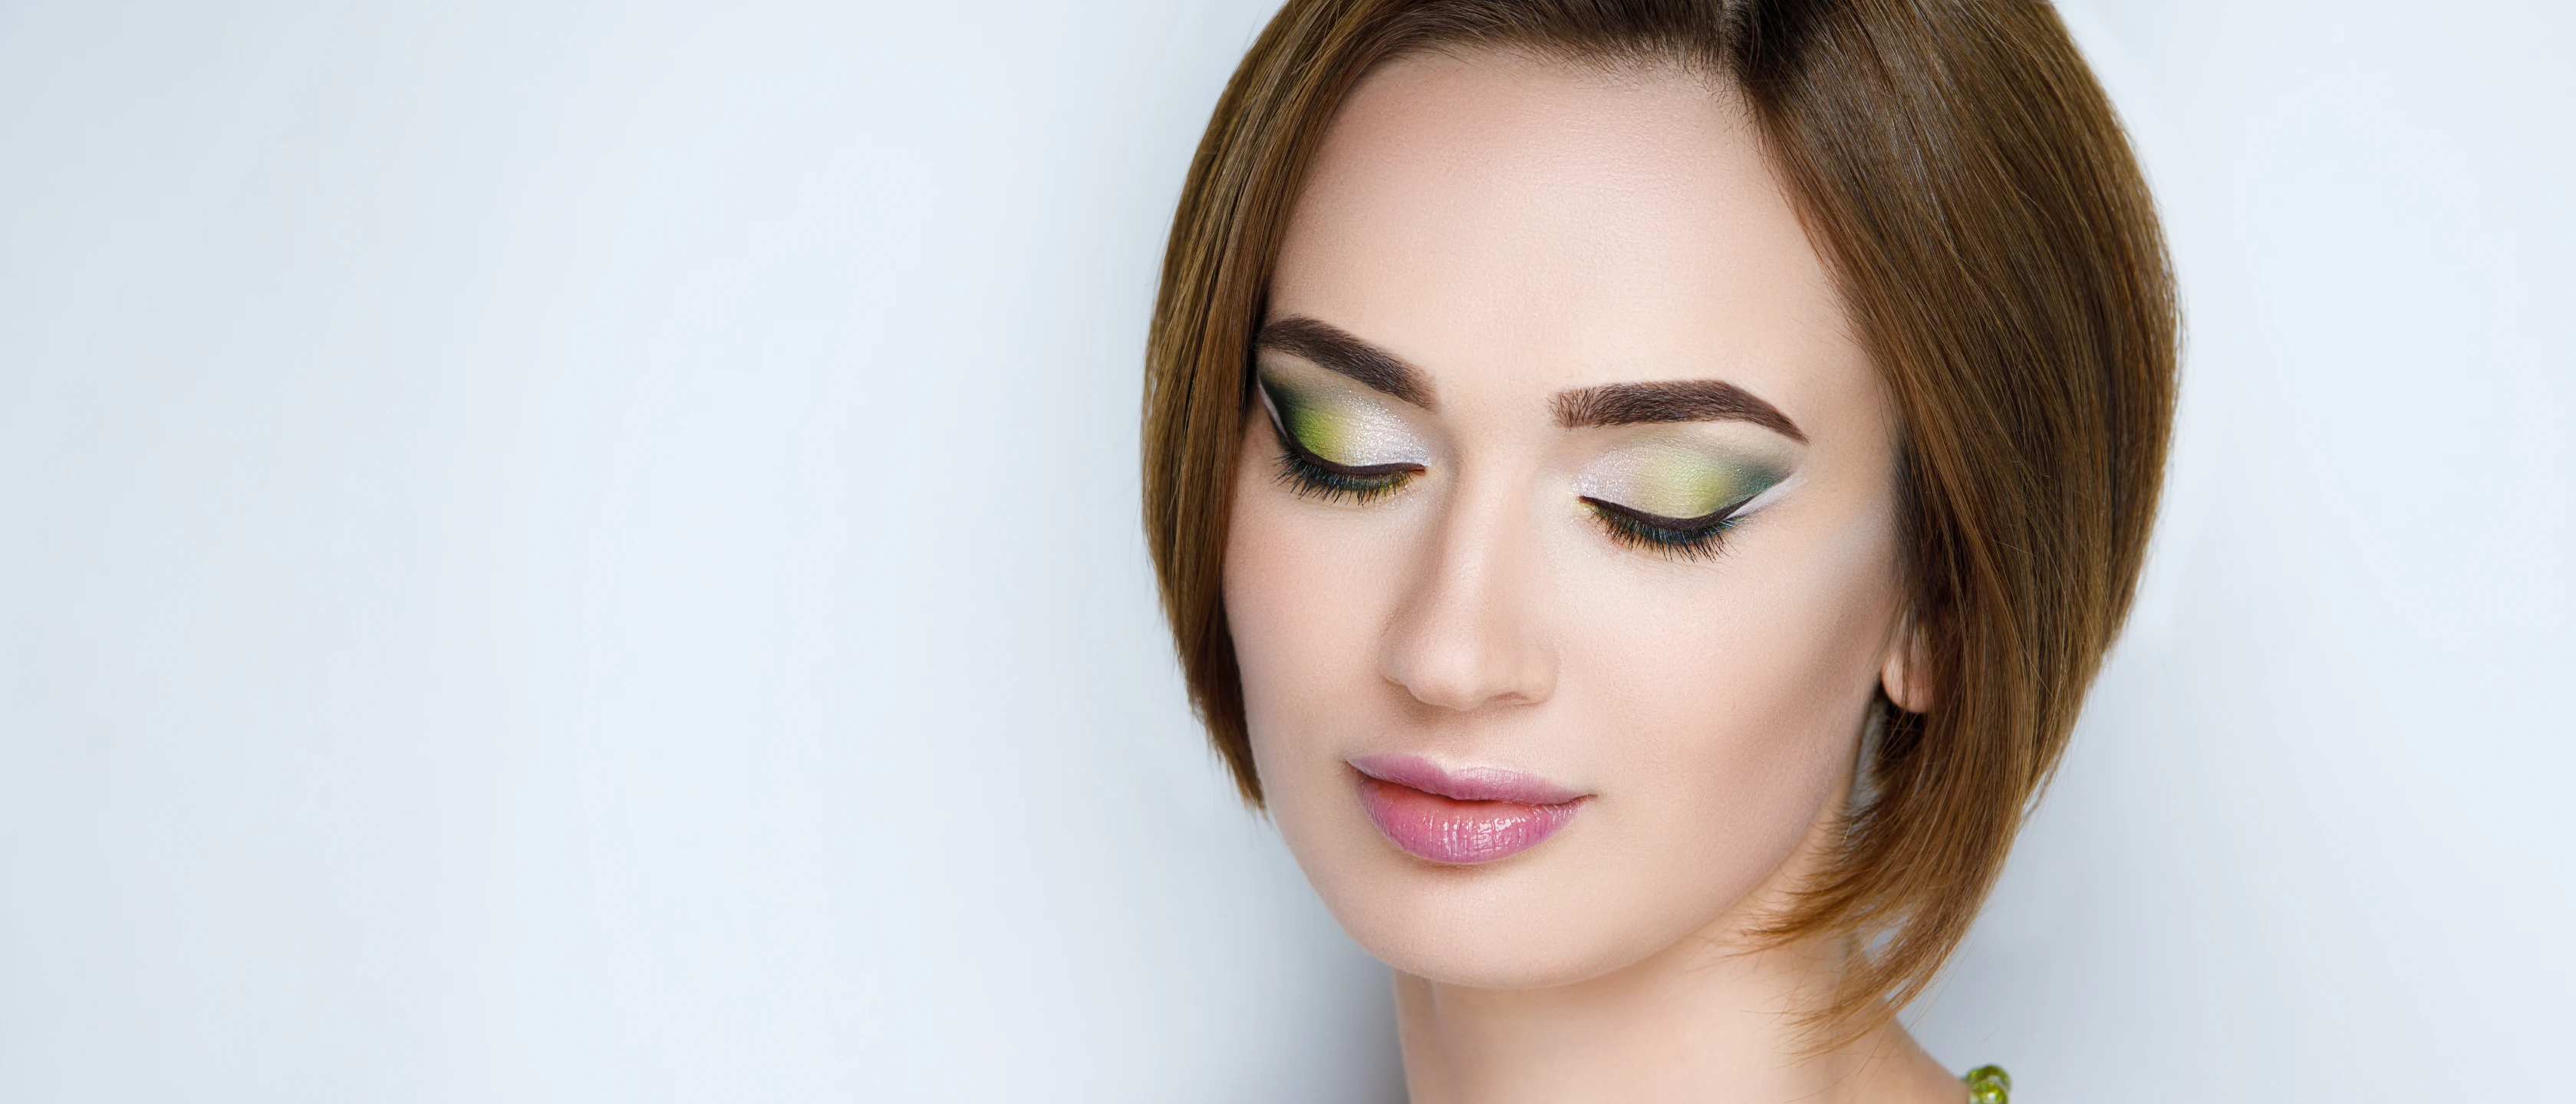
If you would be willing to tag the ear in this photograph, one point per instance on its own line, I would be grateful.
(1906, 673)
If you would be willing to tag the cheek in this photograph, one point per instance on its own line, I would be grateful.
(1738, 709)
(1305, 624)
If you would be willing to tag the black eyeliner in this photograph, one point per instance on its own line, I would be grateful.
(1685, 538)
(1308, 474)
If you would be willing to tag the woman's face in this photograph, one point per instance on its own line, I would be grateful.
(1562, 562)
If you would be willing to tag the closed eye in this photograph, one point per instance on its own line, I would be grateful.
(1692, 538)
(1313, 476)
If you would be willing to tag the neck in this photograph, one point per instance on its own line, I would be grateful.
(1708, 1019)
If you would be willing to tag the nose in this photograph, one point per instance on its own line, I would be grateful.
(1470, 632)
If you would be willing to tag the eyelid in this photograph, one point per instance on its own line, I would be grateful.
(1312, 476)
(1670, 538)
(1270, 402)
(1681, 476)
(1363, 471)
(1669, 470)
(1719, 516)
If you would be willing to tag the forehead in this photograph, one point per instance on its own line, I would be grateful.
(1504, 220)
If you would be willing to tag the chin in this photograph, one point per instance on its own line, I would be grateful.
(1495, 957)
(1559, 914)
(1484, 946)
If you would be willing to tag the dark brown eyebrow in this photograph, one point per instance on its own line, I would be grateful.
(1331, 349)
(1676, 401)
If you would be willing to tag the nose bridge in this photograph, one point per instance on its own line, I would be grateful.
(1470, 631)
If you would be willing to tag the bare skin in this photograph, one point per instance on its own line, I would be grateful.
(1709, 1018)
(1522, 304)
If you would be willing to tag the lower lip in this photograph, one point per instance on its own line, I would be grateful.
(1459, 833)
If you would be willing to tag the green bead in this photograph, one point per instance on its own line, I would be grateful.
(1989, 1085)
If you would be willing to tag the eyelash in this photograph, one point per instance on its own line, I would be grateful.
(1315, 477)
(1312, 476)
(1698, 538)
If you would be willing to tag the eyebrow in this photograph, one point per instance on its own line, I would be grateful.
(1334, 350)
(1618, 404)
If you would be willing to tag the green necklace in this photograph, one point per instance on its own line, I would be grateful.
(1989, 1085)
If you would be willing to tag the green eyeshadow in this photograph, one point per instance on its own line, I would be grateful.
(1681, 480)
(1342, 428)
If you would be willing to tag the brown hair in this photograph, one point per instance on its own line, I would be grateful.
(1964, 178)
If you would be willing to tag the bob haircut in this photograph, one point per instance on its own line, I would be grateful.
(1997, 253)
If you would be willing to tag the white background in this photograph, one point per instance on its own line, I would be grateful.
(561, 551)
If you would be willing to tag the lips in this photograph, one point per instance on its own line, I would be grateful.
(1460, 816)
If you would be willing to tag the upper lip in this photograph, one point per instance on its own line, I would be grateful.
(1465, 783)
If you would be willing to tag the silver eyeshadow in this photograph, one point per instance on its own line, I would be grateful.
(1339, 423)
(1684, 472)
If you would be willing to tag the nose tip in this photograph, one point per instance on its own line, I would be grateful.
(1465, 675)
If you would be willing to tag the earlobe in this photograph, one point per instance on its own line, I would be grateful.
(1905, 674)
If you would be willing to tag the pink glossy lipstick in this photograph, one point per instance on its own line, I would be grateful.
(1460, 815)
